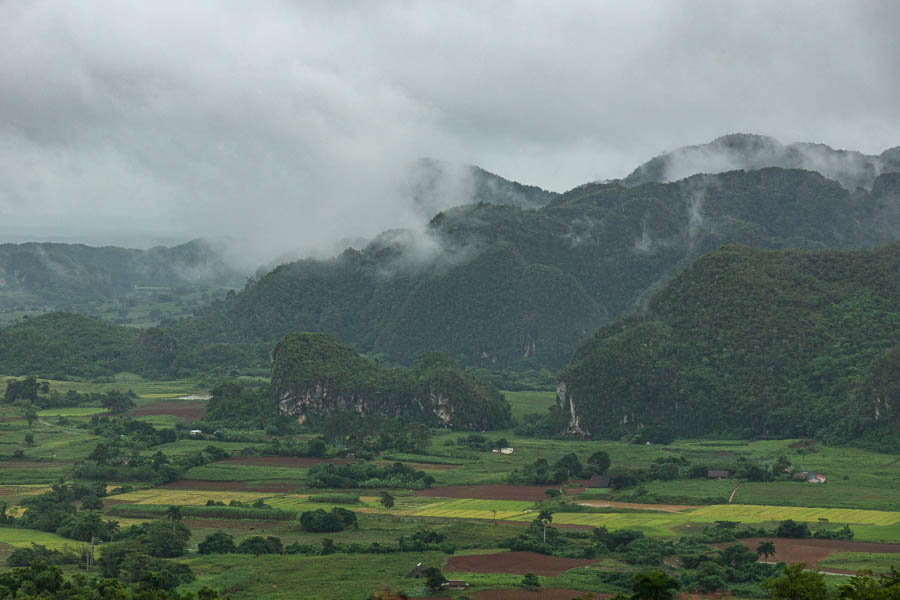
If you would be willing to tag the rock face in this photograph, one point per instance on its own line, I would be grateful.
(314, 375)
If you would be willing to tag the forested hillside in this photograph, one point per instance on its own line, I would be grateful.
(499, 286)
(314, 375)
(749, 343)
(64, 274)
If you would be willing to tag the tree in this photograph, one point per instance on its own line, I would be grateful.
(173, 514)
(796, 584)
(434, 579)
(545, 517)
(599, 462)
(387, 500)
(162, 542)
(654, 586)
(117, 402)
(531, 581)
(216, 543)
(91, 503)
(29, 411)
(766, 549)
(781, 465)
(29, 439)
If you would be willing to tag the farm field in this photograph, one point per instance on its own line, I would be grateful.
(470, 501)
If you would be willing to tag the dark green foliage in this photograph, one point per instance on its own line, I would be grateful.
(751, 343)
(793, 529)
(40, 580)
(236, 405)
(216, 543)
(435, 391)
(260, 545)
(159, 538)
(531, 581)
(319, 521)
(797, 584)
(22, 557)
(366, 475)
(117, 402)
(542, 473)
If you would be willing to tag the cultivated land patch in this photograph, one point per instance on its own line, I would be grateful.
(187, 497)
(236, 486)
(500, 491)
(674, 508)
(811, 551)
(538, 594)
(514, 562)
(469, 508)
(186, 411)
(281, 461)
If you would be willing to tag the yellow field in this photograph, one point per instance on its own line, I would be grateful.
(749, 513)
(188, 497)
(20, 538)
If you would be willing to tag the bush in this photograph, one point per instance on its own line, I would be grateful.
(319, 521)
(217, 543)
(260, 545)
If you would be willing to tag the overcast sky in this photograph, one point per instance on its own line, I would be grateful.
(290, 123)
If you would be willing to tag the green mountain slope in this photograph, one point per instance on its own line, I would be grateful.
(499, 286)
(749, 343)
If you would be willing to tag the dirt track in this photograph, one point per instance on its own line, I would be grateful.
(514, 562)
(493, 492)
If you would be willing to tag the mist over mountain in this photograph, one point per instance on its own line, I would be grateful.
(850, 168)
(500, 286)
(58, 274)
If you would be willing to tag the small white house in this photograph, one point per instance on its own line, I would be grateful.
(503, 450)
(817, 479)
(196, 431)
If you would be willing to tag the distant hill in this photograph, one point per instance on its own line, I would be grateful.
(746, 151)
(314, 375)
(748, 343)
(498, 286)
(60, 274)
(438, 185)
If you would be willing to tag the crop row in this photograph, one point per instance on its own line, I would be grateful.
(205, 512)
(750, 513)
(188, 497)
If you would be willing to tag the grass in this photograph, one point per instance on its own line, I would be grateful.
(861, 561)
(524, 403)
(20, 538)
(75, 411)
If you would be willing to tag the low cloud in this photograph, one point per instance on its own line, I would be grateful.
(284, 127)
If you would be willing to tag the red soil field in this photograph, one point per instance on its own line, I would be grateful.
(811, 551)
(539, 594)
(187, 411)
(493, 492)
(282, 461)
(514, 562)
(231, 486)
(420, 466)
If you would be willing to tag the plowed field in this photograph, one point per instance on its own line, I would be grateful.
(811, 551)
(230, 486)
(514, 562)
(533, 493)
(186, 411)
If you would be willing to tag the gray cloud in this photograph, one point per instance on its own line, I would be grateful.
(289, 125)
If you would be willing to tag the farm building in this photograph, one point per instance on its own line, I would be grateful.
(417, 571)
(503, 450)
(714, 474)
(817, 478)
(598, 482)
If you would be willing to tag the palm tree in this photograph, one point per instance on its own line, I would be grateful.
(545, 517)
(174, 515)
(654, 586)
(766, 548)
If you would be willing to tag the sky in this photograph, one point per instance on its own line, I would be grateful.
(288, 126)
